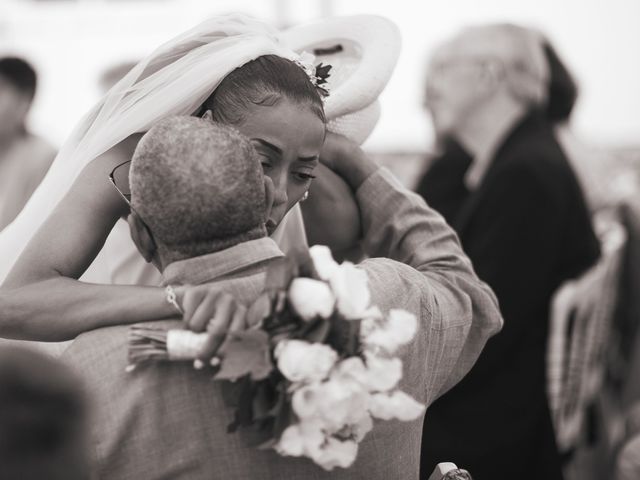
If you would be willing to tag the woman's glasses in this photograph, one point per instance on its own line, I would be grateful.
(119, 176)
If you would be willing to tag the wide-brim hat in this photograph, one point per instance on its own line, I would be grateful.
(363, 51)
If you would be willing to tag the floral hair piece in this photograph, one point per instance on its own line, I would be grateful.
(318, 74)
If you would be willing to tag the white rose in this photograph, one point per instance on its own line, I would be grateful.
(307, 401)
(403, 325)
(349, 284)
(335, 453)
(323, 261)
(301, 361)
(383, 373)
(342, 401)
(397, 405)
(399, 329)
(372, 320)
(364, 426)
(300, 439)
(311, 298)
(352, 368)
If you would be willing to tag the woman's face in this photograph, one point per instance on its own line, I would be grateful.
(288, 138)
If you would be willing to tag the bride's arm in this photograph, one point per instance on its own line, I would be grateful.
(41, 299)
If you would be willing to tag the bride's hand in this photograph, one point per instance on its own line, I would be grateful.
(208, 309)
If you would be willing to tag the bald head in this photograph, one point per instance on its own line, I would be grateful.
(198, 186)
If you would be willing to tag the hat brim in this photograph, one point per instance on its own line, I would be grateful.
(363, 51)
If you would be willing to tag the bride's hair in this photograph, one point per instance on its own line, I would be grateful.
(262, 81)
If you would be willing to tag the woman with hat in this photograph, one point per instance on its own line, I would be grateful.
(232, 69)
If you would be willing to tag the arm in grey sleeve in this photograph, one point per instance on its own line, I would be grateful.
(425, 271)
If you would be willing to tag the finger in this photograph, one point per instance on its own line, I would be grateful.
(204, 312)
(218, 327)
(224, 310)
(191, 300)
(239, 319)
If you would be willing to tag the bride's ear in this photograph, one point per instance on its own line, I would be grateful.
(269, 193)
(208, 115)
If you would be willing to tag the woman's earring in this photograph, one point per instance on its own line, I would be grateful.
(208, 115)
(305, 196)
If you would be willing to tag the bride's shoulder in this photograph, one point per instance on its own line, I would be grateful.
(116, 155)
(94, 178)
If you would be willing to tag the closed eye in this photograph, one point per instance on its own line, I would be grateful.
(304, 176)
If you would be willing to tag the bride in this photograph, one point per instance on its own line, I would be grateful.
(230, 68)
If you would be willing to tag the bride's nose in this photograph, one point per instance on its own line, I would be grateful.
(280, 194)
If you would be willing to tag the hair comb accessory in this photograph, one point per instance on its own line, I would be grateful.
(362, 51)
(318, 74)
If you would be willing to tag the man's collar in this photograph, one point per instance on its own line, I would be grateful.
(214, 266)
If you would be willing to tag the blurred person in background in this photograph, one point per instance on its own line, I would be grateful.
(24, 157)
(523, 221)
(586, 161)
(442, 185)
(43, 429)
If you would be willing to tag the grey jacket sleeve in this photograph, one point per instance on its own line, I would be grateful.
(417, 264)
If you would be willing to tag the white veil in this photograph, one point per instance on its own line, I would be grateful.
(174, 80)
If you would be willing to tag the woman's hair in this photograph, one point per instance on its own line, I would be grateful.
(262, 81)
(563, 90)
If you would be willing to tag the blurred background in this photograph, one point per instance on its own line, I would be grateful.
(79, 48)
(72, 43)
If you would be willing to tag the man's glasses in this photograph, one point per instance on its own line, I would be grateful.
(119, 176)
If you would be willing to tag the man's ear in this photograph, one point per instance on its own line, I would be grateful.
(208, 115)
(269, 193)
(141, 236)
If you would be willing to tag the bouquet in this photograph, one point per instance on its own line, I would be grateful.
(315, 367)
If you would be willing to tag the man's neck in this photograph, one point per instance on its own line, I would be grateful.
(482, 133)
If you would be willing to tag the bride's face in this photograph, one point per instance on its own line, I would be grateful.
(288, 137)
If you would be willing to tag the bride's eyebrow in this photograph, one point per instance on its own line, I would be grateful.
(268, 145)
(308, 159)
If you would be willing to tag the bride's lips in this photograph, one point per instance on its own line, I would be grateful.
(271, 226)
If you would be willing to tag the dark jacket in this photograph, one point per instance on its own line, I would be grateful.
(526, 229)
(443, 184)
